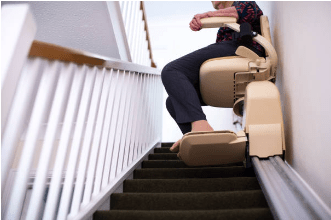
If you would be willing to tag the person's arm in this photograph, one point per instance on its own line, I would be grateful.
(195, 24)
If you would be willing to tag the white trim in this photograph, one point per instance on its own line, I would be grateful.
(18, 29)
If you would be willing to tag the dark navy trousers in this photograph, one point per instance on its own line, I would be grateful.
(181, 81)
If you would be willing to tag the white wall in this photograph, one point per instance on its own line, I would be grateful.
(171, 38)
(83, 25)
(301, 33)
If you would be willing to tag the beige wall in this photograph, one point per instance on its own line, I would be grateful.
(301, 33)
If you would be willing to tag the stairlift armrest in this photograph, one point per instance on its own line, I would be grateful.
(216, 22)
(270, 50)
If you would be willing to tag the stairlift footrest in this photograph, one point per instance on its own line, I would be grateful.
(212, 148)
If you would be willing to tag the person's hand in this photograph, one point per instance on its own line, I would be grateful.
(195, 24)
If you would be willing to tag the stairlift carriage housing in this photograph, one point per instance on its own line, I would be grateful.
(227, 82)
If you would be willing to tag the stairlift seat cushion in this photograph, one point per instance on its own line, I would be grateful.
(212, 148)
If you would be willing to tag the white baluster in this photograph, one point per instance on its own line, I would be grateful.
(142, 124)
(113, 130)
(124, 143)
(121, 5)
(17, 117)
(135, 117)
(140, 35)
(127, 19)
(39, 113)
(111, 119)
(140, 38)
(138, 121)
(58, 107)
(70, 116)
(132, 111)
(97, 137)
(135, 34)
(76, 143)
(105, 135)
(83, 161)
(125, 10)
(130, 24)
(116, 128)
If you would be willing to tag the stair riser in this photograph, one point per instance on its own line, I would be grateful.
(191, 185)
(256, 214)
(191, 173)
(188, 201)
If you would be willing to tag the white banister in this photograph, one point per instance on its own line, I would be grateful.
(85, 123)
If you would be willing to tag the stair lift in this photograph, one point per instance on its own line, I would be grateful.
(246, 83)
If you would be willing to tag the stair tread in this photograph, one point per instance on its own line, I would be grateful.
(191, 185)
(188, 201)
(235, 214)
(202, 172)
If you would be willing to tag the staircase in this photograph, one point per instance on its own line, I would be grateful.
(165, 188)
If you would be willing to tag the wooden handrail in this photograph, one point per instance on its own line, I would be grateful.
(142, 7)
(56, 52)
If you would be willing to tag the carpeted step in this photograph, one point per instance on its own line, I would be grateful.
(234, 214)
(204, 172)
(163, 156)
(167, 189)
(176, 164)
(188, 201)
(190, 185)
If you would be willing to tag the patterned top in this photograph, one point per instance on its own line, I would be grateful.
(248, 12)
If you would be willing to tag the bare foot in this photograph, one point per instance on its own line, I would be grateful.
(175, 146)
(201, 125)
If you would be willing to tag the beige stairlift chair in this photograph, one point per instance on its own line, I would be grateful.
(244, 82)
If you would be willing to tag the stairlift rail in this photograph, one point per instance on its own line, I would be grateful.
(287, 196)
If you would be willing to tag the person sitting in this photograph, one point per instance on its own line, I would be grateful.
(181, 76)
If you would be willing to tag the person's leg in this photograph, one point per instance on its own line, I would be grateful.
(181, 80)
(184, 127)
